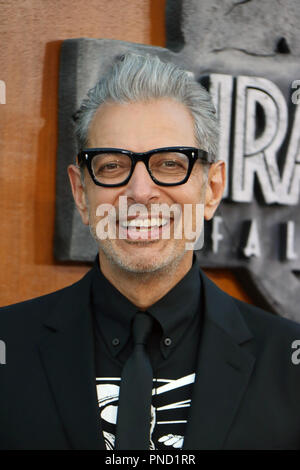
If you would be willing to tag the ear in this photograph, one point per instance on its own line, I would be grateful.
(214, 188)
(78, 192)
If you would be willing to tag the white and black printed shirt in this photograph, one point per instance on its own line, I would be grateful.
(172, 348)
(169, 410)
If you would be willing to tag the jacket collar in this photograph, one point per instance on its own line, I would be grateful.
(223, 370)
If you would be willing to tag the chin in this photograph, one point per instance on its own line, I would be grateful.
(144, 259)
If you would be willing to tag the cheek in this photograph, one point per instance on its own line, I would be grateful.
(198, 186)
(189, 193)
(99, 195)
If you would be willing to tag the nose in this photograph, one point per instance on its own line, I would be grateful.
(141, 188)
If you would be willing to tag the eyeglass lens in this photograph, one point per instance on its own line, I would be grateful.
(114, 168)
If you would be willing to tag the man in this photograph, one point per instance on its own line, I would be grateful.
(145, 352)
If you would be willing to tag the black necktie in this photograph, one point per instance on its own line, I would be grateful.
(134, 409)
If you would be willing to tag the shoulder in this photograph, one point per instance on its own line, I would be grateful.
(265, 326)
(27, 313)
(275, 337)
(266, 322)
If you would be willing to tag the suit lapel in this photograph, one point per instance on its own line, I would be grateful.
(223, 371)
(67, 353)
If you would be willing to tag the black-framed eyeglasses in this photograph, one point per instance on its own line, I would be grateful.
(167, 166)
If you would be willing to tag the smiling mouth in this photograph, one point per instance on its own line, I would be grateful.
(144, 224)
(143, 229)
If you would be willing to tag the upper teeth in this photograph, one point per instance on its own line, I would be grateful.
(155, 222)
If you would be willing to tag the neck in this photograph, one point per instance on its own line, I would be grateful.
(144, 289)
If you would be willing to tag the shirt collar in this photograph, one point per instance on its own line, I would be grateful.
(174, 312)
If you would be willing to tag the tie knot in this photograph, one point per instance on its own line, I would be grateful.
(141, 328)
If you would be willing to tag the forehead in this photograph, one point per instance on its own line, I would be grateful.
(142, 126)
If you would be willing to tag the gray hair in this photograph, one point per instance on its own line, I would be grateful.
(136, 78)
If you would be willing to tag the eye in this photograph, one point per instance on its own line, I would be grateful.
(171, 163)
(109, 163)
(111, 168)
(108, 166)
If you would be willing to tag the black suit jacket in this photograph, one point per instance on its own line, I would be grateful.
(246, 394)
